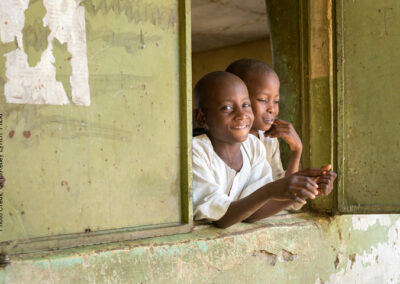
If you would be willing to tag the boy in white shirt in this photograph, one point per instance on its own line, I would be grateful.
(232, 180)
(263, 85)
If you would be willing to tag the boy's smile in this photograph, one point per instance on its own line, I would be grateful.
(264, 96)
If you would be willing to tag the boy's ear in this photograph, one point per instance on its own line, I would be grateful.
(200, 117)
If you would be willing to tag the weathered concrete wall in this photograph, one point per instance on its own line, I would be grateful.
(301, 249)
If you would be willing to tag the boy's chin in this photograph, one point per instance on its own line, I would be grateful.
(267, 127)
(264, 127)
(241, 138)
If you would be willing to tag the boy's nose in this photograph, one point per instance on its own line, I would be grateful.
(240, 113)
(270, 107)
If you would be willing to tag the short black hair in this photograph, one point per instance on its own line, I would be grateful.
(204, 86)
(243, 67)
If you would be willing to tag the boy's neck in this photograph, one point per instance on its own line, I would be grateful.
(229, 153)
(254, 132)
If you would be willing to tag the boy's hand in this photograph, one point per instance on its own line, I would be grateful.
(325, 181)
(285, 130)
(297, 187)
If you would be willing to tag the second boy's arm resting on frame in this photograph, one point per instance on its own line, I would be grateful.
(272, 207)
(271, 198)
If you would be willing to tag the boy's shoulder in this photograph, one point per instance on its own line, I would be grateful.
(203, 152)
(253, 146)
(202, 149)
(268, 141)
(202, 142)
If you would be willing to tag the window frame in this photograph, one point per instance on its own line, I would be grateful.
(50, 243)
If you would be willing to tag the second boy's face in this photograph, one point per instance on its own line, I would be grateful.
(264, 96)
(228, 116)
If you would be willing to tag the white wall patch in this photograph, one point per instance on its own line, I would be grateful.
(363, 222)
(38, 84)
(379, 264)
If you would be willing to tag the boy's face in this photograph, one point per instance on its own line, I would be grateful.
(264, 96)
(227, 114)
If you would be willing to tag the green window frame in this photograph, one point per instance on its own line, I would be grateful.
(325, 55)
(25, 244)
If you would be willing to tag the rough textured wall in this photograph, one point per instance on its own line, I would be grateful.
(305, 249)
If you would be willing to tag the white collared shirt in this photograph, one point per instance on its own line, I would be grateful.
(216, 185)
(273, 155)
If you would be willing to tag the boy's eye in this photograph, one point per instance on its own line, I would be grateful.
(227, 108)
(246, 105)
(262, 100)
(276, 102)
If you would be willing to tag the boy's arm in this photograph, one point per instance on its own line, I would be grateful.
(271, 207)
(294, 162)
(295, 188)
(285, 130)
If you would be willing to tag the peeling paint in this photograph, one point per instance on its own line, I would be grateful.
(363, 222)
(380, 264)
(30, 74)
(269, 258)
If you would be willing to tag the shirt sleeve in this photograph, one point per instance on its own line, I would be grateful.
(261, 172)
(209, 200)
(275, 161)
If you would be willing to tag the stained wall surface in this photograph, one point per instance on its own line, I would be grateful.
(75, 164)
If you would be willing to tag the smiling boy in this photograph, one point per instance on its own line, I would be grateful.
(263, 85)
(232, 180)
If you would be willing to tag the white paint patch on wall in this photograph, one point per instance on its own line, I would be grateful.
(380, 264)
(38, 84)
(363, 222)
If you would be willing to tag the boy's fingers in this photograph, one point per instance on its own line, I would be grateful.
(306, 183)
(325, 191)
(299, 200)
(281, 122)
(333, 175)
(279, 134)
(310, 172)
(326, 168)
(324, 180)
(302, 193)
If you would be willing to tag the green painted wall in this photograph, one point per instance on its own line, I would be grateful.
(114, 164)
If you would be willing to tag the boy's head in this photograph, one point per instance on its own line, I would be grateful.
(263, 85)
(223, 107)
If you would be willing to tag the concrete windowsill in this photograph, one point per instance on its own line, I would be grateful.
(201, 232)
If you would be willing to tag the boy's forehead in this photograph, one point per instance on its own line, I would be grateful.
(262, 75)
(262, 79)
(225, 89)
